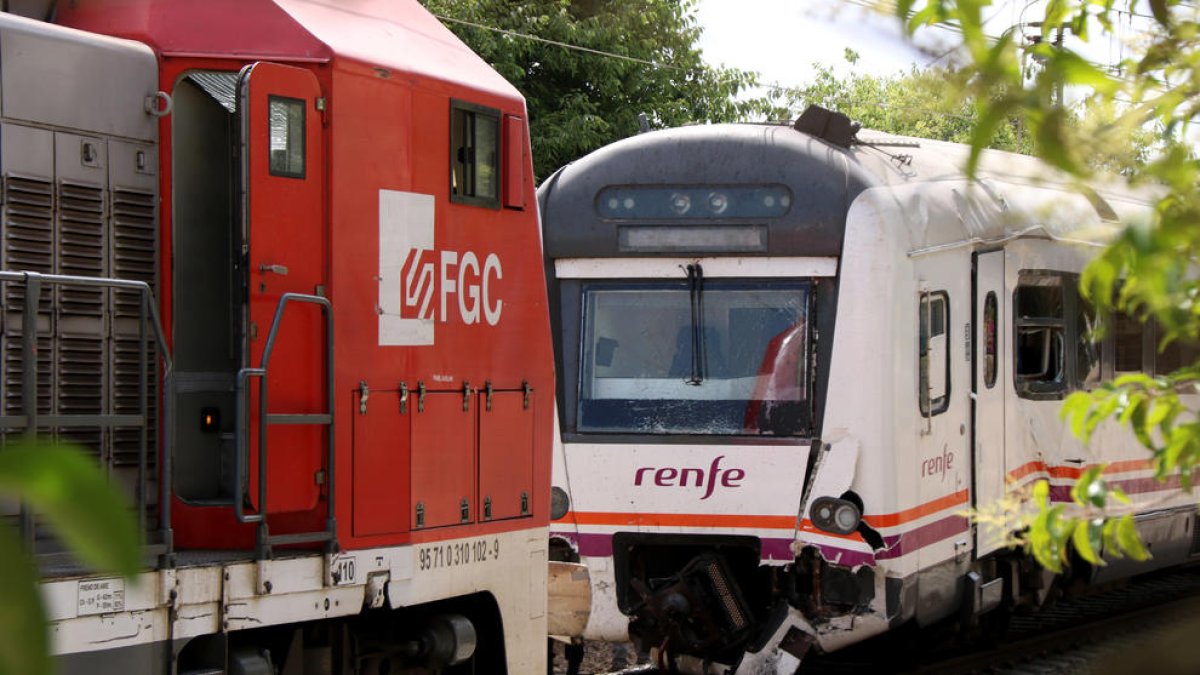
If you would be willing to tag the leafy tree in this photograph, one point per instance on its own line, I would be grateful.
(917, 103)
(1149, 271)
(588, 68)
(61, 484)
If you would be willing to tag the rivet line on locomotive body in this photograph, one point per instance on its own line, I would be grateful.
(339, 434)
(790, 358)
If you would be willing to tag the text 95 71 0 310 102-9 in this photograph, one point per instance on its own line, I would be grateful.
(459, 553)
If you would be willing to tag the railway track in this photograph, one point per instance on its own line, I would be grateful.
(1150, 624)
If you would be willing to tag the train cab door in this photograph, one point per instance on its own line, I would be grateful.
(282, 179)
(991, 384)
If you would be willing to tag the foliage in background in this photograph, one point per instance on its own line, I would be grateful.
(1150, 271)
(579, 101)
(917, 103)
(87, 514)
(935, 103)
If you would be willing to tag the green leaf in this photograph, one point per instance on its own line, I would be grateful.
(1129, 540)
(23, 642)
(1161, 12)
(1086, 539)
(1052, 142)
(84, 509)
(1090, 488)
(1074, 69)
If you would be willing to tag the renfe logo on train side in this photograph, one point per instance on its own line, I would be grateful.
(668, 476)
(420, 286)
(938, 465)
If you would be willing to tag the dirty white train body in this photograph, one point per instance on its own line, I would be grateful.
(790, 361)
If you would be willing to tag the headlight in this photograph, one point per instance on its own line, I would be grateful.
(560, 503)
(835, 515)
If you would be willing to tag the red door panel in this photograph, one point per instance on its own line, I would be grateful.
(381, 436)
(506, 455)
(283, 213)
(443, 461)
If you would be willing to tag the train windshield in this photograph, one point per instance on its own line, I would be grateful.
(724, 358)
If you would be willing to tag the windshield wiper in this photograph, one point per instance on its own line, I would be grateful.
(699, 356)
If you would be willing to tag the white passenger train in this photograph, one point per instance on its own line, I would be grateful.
(790, 359)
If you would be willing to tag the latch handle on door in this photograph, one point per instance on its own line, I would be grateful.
(281, 270)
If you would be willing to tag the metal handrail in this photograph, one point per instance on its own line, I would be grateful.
(241, 471)
(30, 419)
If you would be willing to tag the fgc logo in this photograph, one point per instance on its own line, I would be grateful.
(419, 286)
(430, 278)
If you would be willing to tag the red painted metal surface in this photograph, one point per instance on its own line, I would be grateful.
(287, 255)
(388, 72)
(506, 452)
(443, 462)
(381, 444)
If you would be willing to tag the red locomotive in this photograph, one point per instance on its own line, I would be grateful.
(331, 205)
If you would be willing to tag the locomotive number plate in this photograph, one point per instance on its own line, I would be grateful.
(343, 570)
(457, 554)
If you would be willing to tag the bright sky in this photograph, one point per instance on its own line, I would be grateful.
(781, 39)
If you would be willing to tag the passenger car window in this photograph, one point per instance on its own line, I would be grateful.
(1054, 350)
(934, 351)
(990, 335)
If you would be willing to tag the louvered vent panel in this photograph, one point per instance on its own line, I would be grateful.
(14, 375)
(81, 246)
(133, 257)
(28, 233)
(126, 401)
(133, 245)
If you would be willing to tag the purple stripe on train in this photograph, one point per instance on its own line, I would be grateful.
(778, 548)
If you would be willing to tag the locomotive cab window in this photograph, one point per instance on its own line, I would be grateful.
(474, 154)
(934, 380)
(287, 136)
(658, 359)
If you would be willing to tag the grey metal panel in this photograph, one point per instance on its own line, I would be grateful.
(81, 159)
(76, 80)
(822, 179)
(132, 165)
(25, 151)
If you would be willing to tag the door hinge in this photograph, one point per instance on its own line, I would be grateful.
(464, 510)
(487, 508)
(403, 397)
(487, 388)
(527, 389)
(420, 396)
(466, 396)
(364, 394)
(420, 515)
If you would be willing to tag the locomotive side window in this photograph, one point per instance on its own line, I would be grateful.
(474, 154)
(1054, 349)
(934, 381)
(287, 136)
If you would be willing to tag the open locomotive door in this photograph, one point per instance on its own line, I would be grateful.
(283, 250)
